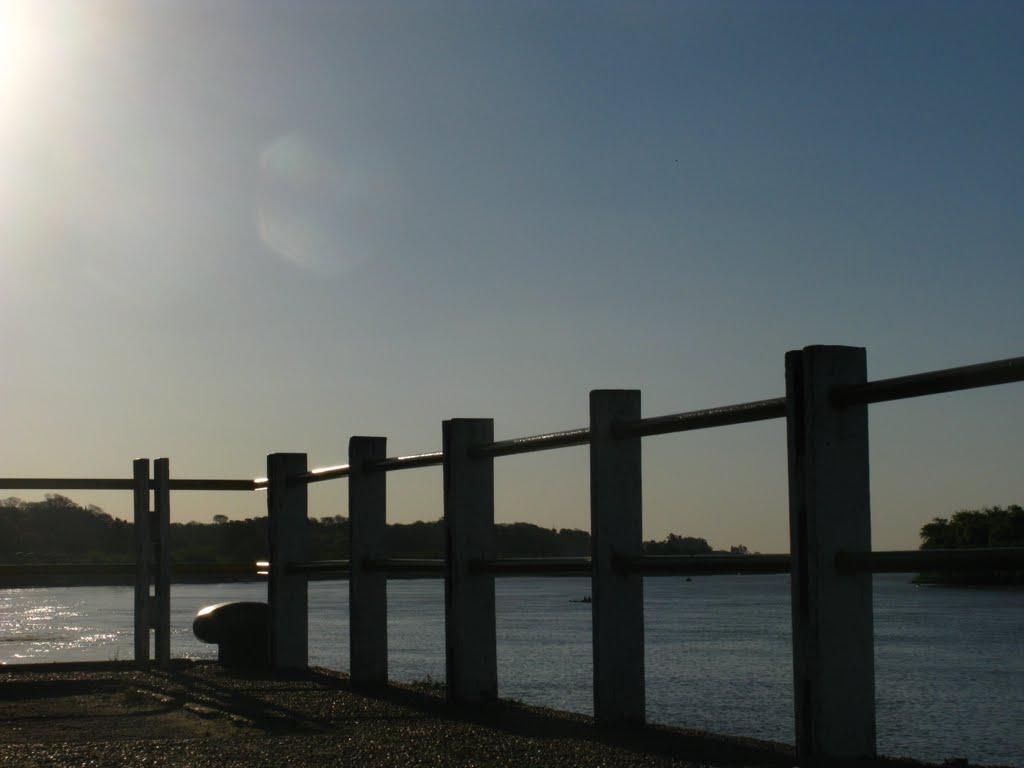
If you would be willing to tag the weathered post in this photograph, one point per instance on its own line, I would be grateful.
(160, 531)
(829, 511)
(287, 591)
(367, 590)
(143, 559)
(616, 533)
(471, 656)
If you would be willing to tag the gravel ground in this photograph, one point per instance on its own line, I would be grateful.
(198, 714)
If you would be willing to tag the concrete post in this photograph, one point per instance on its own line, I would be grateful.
(829, 510)
(616, 530)
(367, 590)
(287, 592)
(161, 534)
(471, 657)
(143, 560)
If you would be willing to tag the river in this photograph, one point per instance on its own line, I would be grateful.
(949, 662)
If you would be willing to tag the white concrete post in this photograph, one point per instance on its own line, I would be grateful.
(367, 590)
(161, 534)
(143, 560)
(471, 656)
(829, 510)
(616, 531)
(289, 534)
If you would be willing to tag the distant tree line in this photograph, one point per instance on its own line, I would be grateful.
(989, 527)
(57, 530)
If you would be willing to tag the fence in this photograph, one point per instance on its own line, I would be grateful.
(830, 560)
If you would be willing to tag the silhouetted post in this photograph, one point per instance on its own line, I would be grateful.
(471, 657)
(143, 560)
(287, 592)
(161, 534)
(829, 511)
(616, 531)
(367, 590)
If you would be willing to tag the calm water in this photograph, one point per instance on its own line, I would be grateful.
(949, 663)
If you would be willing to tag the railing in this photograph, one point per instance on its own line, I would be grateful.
(152, 567)
(830, 560)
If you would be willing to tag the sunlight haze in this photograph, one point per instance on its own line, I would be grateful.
(235, 228)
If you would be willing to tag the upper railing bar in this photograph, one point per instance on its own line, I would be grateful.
(320, 474)
(67, 483)
(117, 484)
(406, 462)
(535, 443)
(932, 383)
(212, 485)
(758, 410)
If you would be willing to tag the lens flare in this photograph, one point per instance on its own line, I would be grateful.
(313, 205)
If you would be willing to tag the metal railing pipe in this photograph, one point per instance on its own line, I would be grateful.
(202, 484)
(532, 444)
(93, 569)
(406, 565)
(8, 570)
(320, 474)
(743, 413)
(67, 483)
(214, 569)
(414, 461)
(932, 383)
(118, 484)
(933, 560)
(317, 566)
(655, 565)
(533, 566)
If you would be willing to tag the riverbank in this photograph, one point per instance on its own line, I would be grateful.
(198, 714)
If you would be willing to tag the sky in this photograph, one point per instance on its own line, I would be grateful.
(235, 228)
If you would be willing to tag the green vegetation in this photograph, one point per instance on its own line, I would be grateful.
(989, 527)
(59, 531)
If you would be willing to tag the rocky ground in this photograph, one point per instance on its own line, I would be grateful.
(198, 714)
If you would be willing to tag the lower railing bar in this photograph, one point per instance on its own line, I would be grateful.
(533, 566)
(743, 413)
(407, 462)
(320, 474)
(932, 383)
(67, 569)
(214, 569)
(653, 565)
(531, 444)
(64, 569)
(318, 566)
(406, 565)
(935, 560)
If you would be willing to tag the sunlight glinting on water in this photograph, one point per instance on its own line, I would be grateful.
(717, 650)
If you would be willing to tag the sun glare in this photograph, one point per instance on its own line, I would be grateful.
(27, 43)
(43, 47)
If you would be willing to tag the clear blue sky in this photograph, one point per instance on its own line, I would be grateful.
(234, 228)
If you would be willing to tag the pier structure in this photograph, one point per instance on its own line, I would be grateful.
(827, 394)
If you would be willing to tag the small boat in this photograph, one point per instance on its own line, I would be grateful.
(586, 599)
